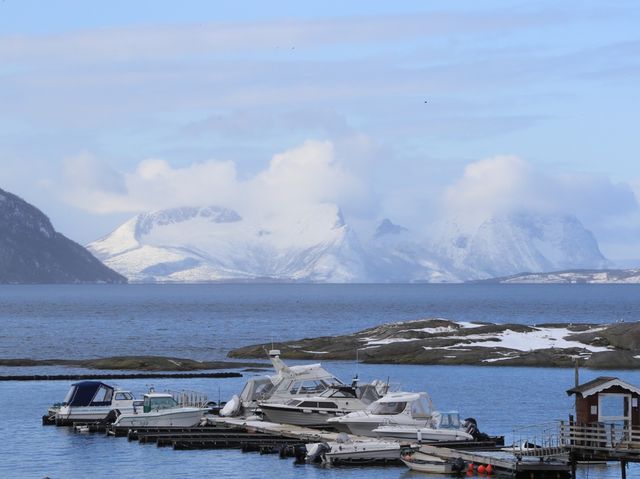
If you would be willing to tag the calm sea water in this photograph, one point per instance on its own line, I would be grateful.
(205, 321)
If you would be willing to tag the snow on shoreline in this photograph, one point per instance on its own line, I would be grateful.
(537, 339)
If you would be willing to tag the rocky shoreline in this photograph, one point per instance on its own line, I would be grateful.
(133, 363)
(444, 342)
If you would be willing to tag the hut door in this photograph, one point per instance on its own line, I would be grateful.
(614, 410)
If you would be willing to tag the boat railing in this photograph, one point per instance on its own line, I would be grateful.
(186, 398)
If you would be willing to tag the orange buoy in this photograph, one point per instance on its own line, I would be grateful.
(489, 469)
(480, 469)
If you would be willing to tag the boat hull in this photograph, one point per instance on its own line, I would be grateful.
(68, 415)
(297, 417)
(436, 466)
(183, 417)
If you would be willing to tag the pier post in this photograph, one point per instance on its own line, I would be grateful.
(623, 469)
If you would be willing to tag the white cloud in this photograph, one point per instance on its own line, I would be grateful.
(505, 184)
(295, 179)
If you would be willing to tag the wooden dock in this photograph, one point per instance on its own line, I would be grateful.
(285, 439)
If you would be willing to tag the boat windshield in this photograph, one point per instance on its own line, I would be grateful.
(447, 420)
(420, 408)
(155, 403)
(69, 397)
(387, 408)
(311, 387)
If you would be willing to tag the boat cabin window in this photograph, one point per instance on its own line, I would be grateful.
(387, 408)
(327, 405)
(123, 397)
(420, 408)
(104, 394)
(156, 403)
(308, 404)
(343, 393)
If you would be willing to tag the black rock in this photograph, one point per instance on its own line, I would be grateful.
(31, 251)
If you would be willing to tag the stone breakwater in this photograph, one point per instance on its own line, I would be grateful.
(440, 341)
(133, 363)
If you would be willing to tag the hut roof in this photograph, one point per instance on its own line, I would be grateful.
(600, 384)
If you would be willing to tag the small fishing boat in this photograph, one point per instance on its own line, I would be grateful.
(160, 410)
(421, 462)
(91, 401)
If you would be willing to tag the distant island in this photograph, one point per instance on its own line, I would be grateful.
(444, 342)
(590, 276)
(32, 251)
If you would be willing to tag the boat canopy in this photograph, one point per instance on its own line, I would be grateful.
(89, 393)
(256, 389)
(446, 419)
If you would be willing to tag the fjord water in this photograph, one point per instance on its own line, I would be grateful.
(206, 321)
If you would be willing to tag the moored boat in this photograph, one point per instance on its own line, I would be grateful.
(443, 427)
(316, 410)
(420, 462)
(345, 450)
(160, 410)
(397, 408)
(91, 401)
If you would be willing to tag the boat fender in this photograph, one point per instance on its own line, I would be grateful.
(232, 407)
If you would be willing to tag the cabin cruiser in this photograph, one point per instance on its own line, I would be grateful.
(336, 400)
(396, 408)
(443, 427)
(289, 382)
(160, 410)
(91, 401)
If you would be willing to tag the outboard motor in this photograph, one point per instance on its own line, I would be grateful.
(316, 451)
(471, 427)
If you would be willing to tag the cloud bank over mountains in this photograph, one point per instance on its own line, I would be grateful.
(324, 172)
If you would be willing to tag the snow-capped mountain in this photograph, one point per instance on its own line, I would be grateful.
(213, 244)
(398, 255)
(314, 243)
(520, 242)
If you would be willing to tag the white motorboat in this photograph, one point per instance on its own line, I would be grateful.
(160, 410)
(289, 382)
(316, 410)
(91, 401)
(397, 408)
(421, 462)
(443, 427)
(344, 450)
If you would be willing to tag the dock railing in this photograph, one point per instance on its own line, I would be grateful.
(601, 437)
(540, 440)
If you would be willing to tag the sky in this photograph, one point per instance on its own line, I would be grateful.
(409, 110)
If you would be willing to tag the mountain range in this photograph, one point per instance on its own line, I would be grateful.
(32, 251)
(316, 244)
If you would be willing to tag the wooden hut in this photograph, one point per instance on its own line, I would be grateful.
(607, 400)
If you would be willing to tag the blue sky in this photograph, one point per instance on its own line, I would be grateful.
(111, 108)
